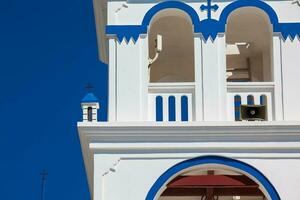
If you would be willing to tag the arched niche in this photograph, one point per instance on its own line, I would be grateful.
(249, 35)
(194, 176)
(176, 61)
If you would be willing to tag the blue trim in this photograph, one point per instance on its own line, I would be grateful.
(211, 28)
(248, 3)
(289, 30)
(159, 108)
(237, 107)
(165, 177)
(89, 98)
(133, 31)
(171, 4)
(250, 100)
(184, 109)
(125, 31)
(208, 27)
(172, 109)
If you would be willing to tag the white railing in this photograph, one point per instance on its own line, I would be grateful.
(255, 89)
(181, 93)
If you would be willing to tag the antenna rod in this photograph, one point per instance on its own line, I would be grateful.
(44, 175)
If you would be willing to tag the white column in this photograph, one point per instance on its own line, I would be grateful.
(214, 79)
(222, 77)
(144, 79)
(198, 105)
(291, 79)
(277, 75)
(112, 80)
(129, 81)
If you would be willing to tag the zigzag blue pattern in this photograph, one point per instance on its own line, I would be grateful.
(209, 28)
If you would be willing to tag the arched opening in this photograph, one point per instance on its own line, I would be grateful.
(249, 35)
(212, 178)
(212, 183)
(90, 114)
(176, 60)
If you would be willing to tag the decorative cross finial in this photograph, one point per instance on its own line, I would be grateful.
(209, 8)
(89, 87)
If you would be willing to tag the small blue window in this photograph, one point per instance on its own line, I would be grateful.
(250, 100)
(263, 100)
(172, 109)
(159, 108)
(237, 105)
(184, 109)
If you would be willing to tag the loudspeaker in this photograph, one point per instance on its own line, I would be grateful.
(253, 112)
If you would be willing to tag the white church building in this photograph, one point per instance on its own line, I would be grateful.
(203, 104)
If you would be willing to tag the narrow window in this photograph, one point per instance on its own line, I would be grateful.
(172, 109)
(237, 109)
(250, 100)
(263, 100)
(184, 109)
(159, 109)
(90, 114)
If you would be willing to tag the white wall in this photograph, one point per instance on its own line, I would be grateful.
(131, 68)
(214, 79)
(133, 175)
(291, 79)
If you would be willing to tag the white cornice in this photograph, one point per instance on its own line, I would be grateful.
(190, 131)
(144, 139)
(100, 13)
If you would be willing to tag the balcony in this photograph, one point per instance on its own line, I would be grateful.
(249, 93)
(171, 101)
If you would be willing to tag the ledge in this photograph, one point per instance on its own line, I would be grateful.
(190, 131)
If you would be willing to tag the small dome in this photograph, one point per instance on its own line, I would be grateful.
(89, 98)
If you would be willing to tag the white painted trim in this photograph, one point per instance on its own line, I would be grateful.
(207, 146)
(169, 87)
(277, 71)
(198, 99)
(144, 77)
(112, 80)
(222, 77)
(253, 86)
(192, 131)
(100, 12)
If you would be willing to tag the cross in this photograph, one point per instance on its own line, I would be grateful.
(89, 87)
(209, 8)
(44, 175)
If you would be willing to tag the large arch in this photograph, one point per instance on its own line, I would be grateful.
(249, 3)
(171, 4)
(213, 160)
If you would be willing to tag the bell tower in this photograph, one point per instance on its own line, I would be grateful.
(203, 101)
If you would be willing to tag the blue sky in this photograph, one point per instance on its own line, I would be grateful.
(48, 53)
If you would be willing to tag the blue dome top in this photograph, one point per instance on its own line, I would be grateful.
(89, 98)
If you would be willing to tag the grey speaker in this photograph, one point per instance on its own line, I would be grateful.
(253, 112)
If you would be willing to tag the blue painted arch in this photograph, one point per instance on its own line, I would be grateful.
(208, 27)
(249, 3)
(169, 5)
(218, 160)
